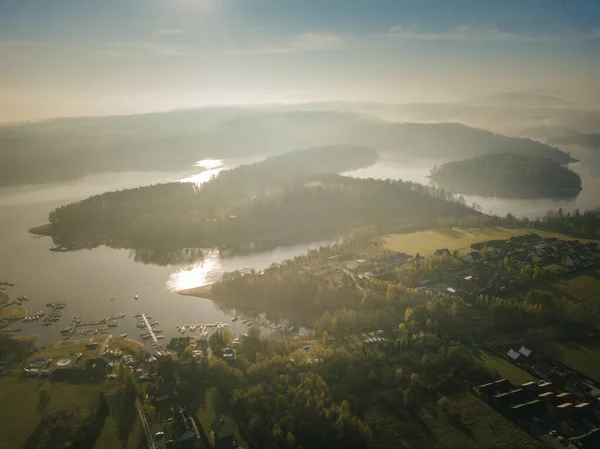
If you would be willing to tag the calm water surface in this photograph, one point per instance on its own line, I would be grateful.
(103, 281)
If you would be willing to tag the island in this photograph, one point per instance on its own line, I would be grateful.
(286, 198)
(509, 176)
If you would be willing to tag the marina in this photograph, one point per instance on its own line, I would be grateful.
(149, 333)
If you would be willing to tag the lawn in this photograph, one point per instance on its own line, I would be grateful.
(18, 410)
(19, 414)
(426, 242)
(477, 426)
(584, 287)
(66, 349)
(506, 370)
(582, 358)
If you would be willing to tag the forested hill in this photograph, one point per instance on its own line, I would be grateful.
(451, 141)
(65, 149)
(179, 215)
(508, 175)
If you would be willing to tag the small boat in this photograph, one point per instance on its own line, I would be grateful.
(137, 315)
(160, 337)
(280, 326)
(182, 330)
(79, 354)
(158, 330)
(235, 318)
(146, 337)
(124, 335)
(140, 325)
(135, 297)
(112, 323)
(192, 328)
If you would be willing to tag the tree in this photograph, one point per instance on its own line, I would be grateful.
(43, 401)
(443, 404)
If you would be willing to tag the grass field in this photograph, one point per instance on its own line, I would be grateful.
(506, 370)
(19, 414)
(582, 358)
(480, 426)
(584, 287)
(426, 242)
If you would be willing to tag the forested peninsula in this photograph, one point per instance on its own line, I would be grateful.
(508, 175)
(286, 197)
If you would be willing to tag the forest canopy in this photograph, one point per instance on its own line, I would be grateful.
(279, 198)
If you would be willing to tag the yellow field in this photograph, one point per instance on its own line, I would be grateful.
(505, 369)
(581, 288)
(582, 358)
(426, 242)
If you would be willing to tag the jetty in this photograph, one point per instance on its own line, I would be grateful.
(146, 321)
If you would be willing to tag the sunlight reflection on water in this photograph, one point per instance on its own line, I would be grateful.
(212, 167)
(203, 272)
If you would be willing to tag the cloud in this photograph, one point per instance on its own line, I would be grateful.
(488, 34)
(168, 32)
(305, 42)
(122, 49)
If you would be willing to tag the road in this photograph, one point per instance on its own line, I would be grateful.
(358, 286)
(104, 345)
(145, 425)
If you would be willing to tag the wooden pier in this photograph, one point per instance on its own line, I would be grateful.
(150, 330)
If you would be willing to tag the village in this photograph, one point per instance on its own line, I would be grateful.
(561, 407)
(494, 267)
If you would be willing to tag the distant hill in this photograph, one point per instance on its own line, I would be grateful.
(521, 99)
(549, 132)
(247, 204)
(591, 141)
(508, 175)
(65, 149)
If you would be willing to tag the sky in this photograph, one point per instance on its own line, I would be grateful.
(90, 57)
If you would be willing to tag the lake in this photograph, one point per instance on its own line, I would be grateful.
(103, 281)
(87, 279)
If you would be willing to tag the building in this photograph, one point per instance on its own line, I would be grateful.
(571, 260)
(513, 355)
(525, 351)
(473, 257)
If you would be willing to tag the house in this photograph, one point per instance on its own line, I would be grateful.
(442, 252)
(223, 428)
(563, 397)
(571, 260)
(228, 355)
(473, 257)
(159, 392)
(514, 355)
(542, 369)
(525, 351)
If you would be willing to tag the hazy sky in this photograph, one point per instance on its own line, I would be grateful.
(84, 57)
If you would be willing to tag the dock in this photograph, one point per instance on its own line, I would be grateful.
(150, 330)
